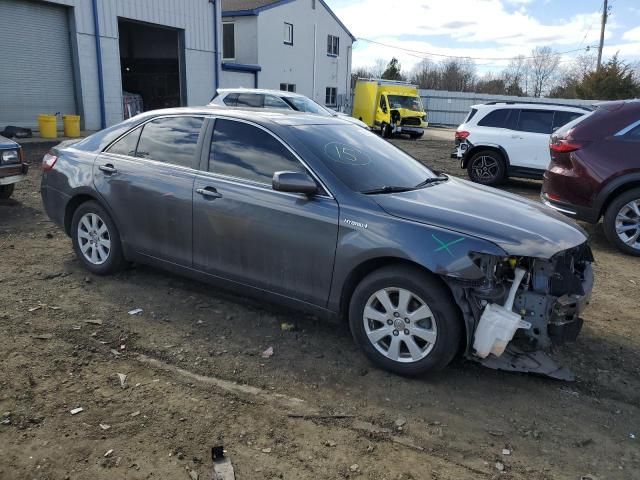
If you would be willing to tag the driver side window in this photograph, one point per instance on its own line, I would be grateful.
(383, 103)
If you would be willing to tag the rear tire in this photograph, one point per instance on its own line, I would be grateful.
(96, 239)
(6, 191)
(622, 222)
(419, 330)
(487, 167)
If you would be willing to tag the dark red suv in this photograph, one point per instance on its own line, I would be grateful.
(595, 171)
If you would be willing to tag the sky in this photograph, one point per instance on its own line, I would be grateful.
(490, 30)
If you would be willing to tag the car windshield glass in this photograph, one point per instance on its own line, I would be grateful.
(362, 160)
(303, 104)
(403, 101)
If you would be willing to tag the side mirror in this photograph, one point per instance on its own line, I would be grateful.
(294, 182)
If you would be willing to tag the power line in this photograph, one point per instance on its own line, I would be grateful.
(426, 54)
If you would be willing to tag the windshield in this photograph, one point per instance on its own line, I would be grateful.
(303, 104)
(403, 101)
(362, 160)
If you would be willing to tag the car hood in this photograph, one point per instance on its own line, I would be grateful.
(519, 226)
(7, 143)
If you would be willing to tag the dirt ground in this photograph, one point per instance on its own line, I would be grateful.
(316, 409)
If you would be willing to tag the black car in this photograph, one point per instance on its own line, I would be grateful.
(321, 215)
(12, 167)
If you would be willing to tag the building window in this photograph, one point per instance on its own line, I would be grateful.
(288, 33)
(287, 87)
(228, 41)
(330, 96)
(333, 45)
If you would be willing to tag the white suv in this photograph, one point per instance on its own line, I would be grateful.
(276, 99)
(501, 139)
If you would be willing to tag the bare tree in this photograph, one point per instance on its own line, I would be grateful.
(515, 76)
(458, 75)
(426, 75)
(378, 68)
(543, 65)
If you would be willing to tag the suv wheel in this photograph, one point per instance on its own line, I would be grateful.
(622, 222)
(486, 167)
(405, 321)
(6, 191)
(96, 240)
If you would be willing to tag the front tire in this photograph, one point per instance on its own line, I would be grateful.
(386, 131)
(6, 191)
(96, 239)
(405, 321)
(487, 167)
(622, 222)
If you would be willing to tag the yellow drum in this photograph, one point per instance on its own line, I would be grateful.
(47, 126)
(71, 125)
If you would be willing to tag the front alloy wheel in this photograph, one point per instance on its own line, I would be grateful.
(405, 320)
(400, 325)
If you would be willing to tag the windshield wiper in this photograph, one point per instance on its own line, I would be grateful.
(386, 189)
(439, 178)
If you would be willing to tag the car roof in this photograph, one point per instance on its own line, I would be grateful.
(530, 106)
(263, 91)
(258, 115)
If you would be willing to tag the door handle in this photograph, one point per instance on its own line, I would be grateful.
(209, 192)
(108, 169)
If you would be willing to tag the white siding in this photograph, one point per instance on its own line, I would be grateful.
(232, 79)
(294, 63)
(195, 17)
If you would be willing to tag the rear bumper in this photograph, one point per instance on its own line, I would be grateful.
(584, 214)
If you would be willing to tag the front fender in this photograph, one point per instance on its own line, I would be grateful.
(378, 236)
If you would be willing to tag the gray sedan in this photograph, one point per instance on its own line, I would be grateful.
(321, 215)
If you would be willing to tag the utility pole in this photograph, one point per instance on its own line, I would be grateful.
(605, 14)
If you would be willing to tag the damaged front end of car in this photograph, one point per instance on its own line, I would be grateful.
(523, 306)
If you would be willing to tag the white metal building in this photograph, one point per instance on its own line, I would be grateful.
(295, 45)
(78, 56)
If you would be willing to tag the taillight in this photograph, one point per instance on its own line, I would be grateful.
(48, 161)
(561, 145)
(462, 135)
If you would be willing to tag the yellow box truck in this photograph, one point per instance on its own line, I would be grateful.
(390, 107)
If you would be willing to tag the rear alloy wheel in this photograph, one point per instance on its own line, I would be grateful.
(405, 321)
(6, 191)
(622, 222)
(486, 167)
(96, 240)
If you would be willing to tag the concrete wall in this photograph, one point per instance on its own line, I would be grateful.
(260, 40)
(231, 79)
(451, 108)
(195, 17)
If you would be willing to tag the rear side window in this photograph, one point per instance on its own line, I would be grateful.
(231, 99)
(497, 118)
(562, 118)
(127, 144)
(535, 121)
(472, 113)
(171, 140)
(250, 100)
(271, 101)
(243, 151)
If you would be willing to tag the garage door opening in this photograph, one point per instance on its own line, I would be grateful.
(151, 63)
